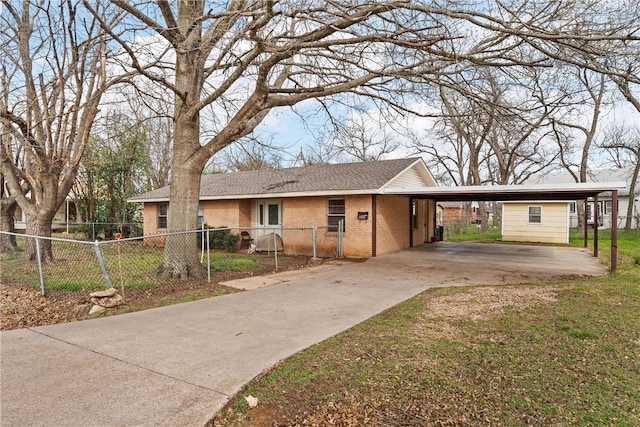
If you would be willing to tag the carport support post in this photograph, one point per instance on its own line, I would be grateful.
(614, 230)
(596, 222)
(585, 226)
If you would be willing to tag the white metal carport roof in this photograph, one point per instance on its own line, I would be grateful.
(527, 192)
(503, 193)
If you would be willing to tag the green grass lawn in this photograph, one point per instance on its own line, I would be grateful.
(556, 353)
(472, 233)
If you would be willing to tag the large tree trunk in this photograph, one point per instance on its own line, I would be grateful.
(8, 242)
(39, 212)
(39, 225)
(581, 211)
(484, 218)
(181, 257)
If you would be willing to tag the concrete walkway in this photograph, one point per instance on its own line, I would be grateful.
(178, 365)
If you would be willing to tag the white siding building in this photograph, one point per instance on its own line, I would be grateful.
(540, 222)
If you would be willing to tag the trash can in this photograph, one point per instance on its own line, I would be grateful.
(440, 233)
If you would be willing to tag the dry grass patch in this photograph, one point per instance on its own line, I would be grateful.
(476, 304)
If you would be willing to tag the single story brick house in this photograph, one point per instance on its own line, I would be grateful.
(320, 196)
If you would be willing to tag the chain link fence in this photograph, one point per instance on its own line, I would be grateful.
(104, 230)
(136, 263)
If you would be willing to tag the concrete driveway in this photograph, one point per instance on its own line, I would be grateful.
(178, 365)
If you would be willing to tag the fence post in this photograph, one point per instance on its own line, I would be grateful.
(275, 248)
(103, 266)
(202, 245)
(39, 255)
(208, 257)
(313, 242)
(340, 225)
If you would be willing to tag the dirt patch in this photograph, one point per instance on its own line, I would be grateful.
(24, 307)
(480, 303)
(477, 304)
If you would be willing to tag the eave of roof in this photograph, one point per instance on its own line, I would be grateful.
(573, 191)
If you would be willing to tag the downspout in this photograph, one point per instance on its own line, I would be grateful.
(584, 222)
(435, 218)
(374, 220)
(596, 222)
(410, 222)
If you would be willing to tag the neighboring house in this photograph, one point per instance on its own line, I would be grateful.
(67, 215)
(320, 196)
(604, 200)
(543, 222)
(453, 213)
(461, 213)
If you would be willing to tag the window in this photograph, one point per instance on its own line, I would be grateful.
(535, 215)
(607, 207)
(162, 214)
(269, 213)
(335, 214)
(572, 207)
(274, 214)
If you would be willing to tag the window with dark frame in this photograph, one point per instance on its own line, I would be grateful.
(274, 214)
(535, 215)
(335, 214)
(162, 214)
(572, 207)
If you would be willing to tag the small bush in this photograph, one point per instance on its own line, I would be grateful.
(231, 242)
(220, 238)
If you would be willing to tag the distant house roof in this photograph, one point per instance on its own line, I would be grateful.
(327, 179)
(448, 205)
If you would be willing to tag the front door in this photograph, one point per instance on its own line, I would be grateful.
(269, 216)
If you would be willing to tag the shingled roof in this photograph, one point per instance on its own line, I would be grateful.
(365, 177)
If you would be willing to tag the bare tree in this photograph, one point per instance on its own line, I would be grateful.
(363, 137)
(148, 105)
(630, 90)
(8, 204)
(243, 59)
(624, 145)
(576, 128)
(55, 57)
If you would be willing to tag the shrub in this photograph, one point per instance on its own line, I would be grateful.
(220, 238)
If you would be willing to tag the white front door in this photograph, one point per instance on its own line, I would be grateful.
(269, 216)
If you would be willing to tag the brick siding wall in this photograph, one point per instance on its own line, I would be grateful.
(392, 223)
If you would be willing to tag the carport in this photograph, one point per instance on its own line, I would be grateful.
(534, 192)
